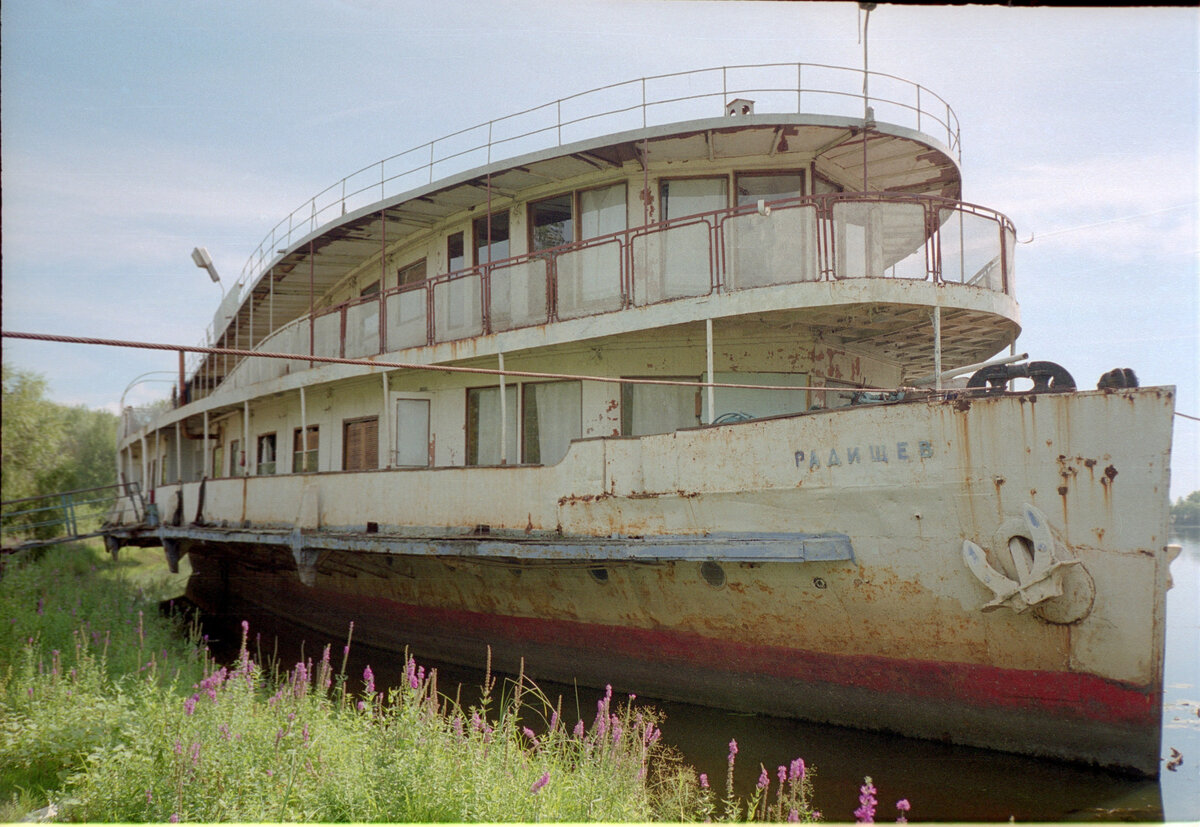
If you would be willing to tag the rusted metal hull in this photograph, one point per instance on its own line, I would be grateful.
(1002, 585)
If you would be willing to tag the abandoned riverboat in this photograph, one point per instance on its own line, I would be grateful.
(660, 400)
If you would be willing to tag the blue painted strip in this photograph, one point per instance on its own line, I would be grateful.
(724, 547)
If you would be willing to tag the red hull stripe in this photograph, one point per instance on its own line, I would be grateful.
(1070, 695)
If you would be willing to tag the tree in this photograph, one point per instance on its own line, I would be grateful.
(49, 448)
(1186, 511)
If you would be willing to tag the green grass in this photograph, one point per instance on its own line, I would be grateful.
(112, 715)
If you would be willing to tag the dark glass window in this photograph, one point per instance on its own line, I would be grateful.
(551, 223)
(491, 244)
(455, 255)
(774, 186)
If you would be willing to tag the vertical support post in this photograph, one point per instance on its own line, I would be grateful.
(387, 424)
(304, 432)
(178, 451)
(206, 465)
(271, 300)
(246, 437)
(312, 305)
(937, 345)
(708, 338)
(181, 379)
(145, 463)
(503, 414)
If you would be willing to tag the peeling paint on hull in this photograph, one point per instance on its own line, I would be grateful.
(897, 633)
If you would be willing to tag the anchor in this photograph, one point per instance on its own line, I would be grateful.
(1040, 580)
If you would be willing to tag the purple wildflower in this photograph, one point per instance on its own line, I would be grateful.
(458, 726)
(541, 782)
(781, 773)
(733, 750)
(796, 772)
(704, 781)
(554, 720)
(174, 819)
(793, 816)
(189, 706)
(369, 680)
(903, 806)
(865, 814)
(764, 780)
(578, 731)
(195, 753)
(529, 734)
(149, 797)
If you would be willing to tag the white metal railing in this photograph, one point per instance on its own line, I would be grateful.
(654, 100)
(833, 237)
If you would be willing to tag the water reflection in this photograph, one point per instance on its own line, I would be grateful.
(943, 782)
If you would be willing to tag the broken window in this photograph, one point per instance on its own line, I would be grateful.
(413, 273)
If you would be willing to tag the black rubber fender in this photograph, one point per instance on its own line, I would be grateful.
(1048, 377)
(1118, 378)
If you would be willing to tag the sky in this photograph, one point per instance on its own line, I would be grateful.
(135, 131)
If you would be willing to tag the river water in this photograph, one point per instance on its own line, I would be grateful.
(942, 782)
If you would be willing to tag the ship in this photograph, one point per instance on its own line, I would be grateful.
(703, 385)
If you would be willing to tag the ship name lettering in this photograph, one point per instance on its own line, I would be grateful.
(852, 454)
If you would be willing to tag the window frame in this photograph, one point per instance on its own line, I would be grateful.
(347, 424)
(262, 467)
(303, 456)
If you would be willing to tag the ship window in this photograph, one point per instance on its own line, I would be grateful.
(689, 196)
(412, 432)
(237, 459)
(774, 186)
(551, 416)
(455, 255)
(415, 272)
(305, 449)
(360, 444)
(218, 460)
(551, 223)
(602, 211)
(266, 454)
(483, 425)
(659, 409)
(491, 244)
(370, 290)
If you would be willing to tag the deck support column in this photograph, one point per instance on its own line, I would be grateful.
(387, 424)
(937, 346)
(206, 463)
(304, 433)
(503, 414)
(708, 340)
(178, 451)
(246, 437)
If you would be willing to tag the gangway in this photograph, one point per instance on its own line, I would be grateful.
(68, 516)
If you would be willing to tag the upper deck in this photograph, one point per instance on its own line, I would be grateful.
(861, 186)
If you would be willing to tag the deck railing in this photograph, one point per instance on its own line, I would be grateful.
(832, 237)
(635, 104)
(68, 515)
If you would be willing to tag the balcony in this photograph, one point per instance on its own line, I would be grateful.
(826, 238)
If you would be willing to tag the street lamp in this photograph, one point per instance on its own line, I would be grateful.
(204, 262)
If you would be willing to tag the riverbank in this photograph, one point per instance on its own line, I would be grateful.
(112, 715)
